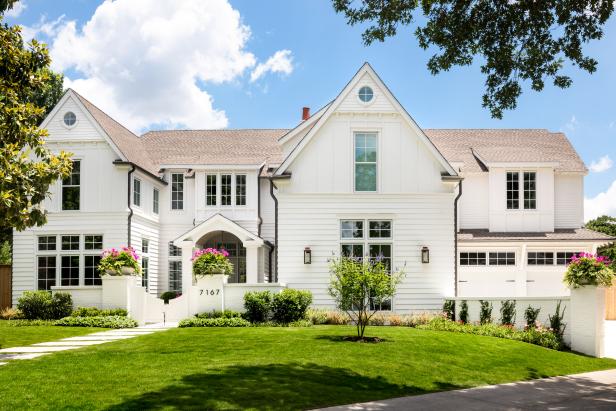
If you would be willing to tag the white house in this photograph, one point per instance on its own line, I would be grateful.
(492, 212)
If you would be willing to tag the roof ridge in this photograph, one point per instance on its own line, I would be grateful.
(495, 128)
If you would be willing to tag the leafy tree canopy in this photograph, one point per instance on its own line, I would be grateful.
(517, 41)
(607, 225)
(27, 166)
(6, 5)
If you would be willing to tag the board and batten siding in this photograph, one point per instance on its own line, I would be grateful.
(418, 220)
(568, 200)
(474, 203)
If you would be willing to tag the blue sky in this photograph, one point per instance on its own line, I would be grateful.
(323, 53)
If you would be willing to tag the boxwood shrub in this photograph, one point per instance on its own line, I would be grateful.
(220, 314)
(257, 305)
(42, 305)
(214, 322)
(113, 321)
(97, 312)
(290, 305)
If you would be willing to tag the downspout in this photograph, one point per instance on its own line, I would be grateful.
(455, 238)
(130, 208)
(259, 201)
(272, 186)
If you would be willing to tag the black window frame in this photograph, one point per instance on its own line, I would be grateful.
(473, 258)
(513, 190)
(240, 189)
(91, 275)
(501, 258)
(540, 258)
(71, 189)
(530, 190)
(50, 269)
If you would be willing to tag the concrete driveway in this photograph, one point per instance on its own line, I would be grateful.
(589, 391)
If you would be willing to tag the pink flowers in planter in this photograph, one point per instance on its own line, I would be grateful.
(210, 261)
(597, 258)
(214, 251)
(586, 269)
(123, 261)
(114, 252)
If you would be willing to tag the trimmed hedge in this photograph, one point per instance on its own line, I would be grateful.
(100, 322)
(97, 312)
(29, 323)
(290, 305)
(220, 314)
(542, 337)
(42, 305)
(214, 322)
(257, 305)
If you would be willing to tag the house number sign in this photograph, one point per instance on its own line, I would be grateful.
(211, 291)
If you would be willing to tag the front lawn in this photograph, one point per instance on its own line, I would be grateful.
(20, 336)
(274, 368)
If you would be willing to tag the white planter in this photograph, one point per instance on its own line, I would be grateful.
(587, 320)
(128, 271)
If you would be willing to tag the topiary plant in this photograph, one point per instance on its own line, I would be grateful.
(485, 312)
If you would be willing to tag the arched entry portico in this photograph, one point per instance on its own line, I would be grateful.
(235, 248)
(205, 233)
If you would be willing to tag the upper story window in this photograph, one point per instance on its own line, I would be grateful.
(211, 185)
(529, 190)
(365, 161)
(71, 188)
(137, 192)
(155, 199)
(177, 191)
(70, 119)
(93, 242)
(365, 94)
(145, 245)
(225, 189)
(240, 189)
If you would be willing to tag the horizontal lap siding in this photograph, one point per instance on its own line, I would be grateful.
(148, 229)
(418, 220)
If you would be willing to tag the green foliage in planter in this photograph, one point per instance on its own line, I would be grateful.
(211, 261)
(530, 315)
(97, 312)
(113, 260)
(42, 305)
(169, 295)
(589, 269)
(99, 322)
(449, 309)
(507, 311)
(220, 314)
(485, 312)
(257, 305)
(290, 305)
(214, 322)
(464, 312)
(542, 337)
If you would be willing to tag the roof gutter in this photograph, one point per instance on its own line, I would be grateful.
(130, 208)
(259, 201)
(455, 238)
(275, 245)
(136, 167)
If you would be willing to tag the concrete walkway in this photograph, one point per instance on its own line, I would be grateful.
(589, 391)
(73, 343)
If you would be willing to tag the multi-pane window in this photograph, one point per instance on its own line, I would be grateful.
(155, 199)
(352, 229)
(174, 251)
(240, 189)
(145, 246)
(225, 189)
(564, 257)
(530, 190)
(540, 258)
(177, 191)
(137, 192)
(93, 242)
(472, 258)
(69, 270)
(145, 268)
(365, 161)
(71, 188)
(211, 183)
(380, 229)
(502, 258)
(91, 276)
(175, 275)
(47, 243)
(70, 243)
(513, 190)
(46, 272)
(380, 253)
(352, 251)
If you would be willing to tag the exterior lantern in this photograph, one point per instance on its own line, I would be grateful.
(425, 255)
(307, 255)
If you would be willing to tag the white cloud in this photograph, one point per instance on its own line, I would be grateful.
(17, 9)
(147, 63)
(602, 203)
(42, 28)
(572, 124)
(604, 164)
(280, 62)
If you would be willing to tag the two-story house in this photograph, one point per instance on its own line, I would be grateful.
(463, 212)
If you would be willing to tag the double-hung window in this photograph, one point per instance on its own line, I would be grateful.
(71, 188)
(365, 162)
(211, 186)
(46, 264)
(175, 268)
(145, 262)
(137, 192)
(225, 189)
(370, 239)
(177, 191)
(528, 190)
(155, 200)
(240, 189)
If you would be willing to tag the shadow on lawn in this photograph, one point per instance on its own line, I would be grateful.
(272, 386)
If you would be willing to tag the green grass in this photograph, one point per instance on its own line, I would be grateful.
(19, 336)
(273, 368)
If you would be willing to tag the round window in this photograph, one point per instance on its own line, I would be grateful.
(365, 94)
(70, 119)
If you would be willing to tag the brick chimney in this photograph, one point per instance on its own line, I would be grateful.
(305, 113)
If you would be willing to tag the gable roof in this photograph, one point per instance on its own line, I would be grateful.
(217, 147)
(472, 147)
(365, 69)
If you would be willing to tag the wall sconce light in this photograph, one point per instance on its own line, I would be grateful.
(425, 255)
(307, 255)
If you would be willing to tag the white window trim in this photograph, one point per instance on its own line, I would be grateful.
(521, 194)
(81, 175)
(219, 204)
(518, 261)
(171, 209)
(362, 102)
(376, 131)
(155, 200)
(66, 125)
(135, 179)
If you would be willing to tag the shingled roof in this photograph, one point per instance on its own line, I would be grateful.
(577, 234)
(505, 146)
(224, 147)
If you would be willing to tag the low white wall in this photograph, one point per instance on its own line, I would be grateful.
(90, 296)
(546, 304)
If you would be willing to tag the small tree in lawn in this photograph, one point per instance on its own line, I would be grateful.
(359, 287)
